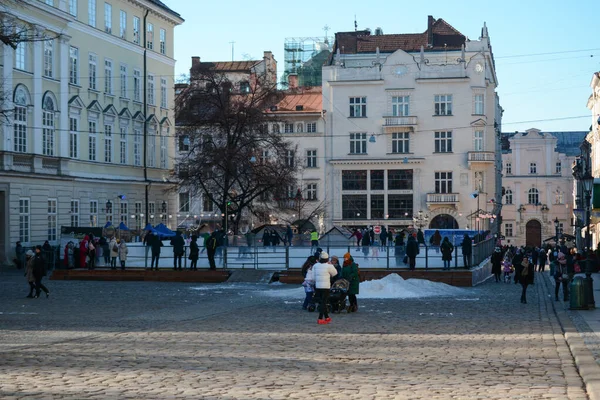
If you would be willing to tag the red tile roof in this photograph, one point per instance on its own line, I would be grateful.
(229, 66)
(310, 100)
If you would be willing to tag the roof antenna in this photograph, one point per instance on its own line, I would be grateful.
(355, 24)
(326, 29)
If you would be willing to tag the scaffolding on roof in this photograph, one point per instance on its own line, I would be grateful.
(305, 56)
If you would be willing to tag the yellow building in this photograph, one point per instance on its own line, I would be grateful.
(84, 145)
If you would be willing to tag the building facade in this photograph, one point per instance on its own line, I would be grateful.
(91, 136)
(593, 138)
(412, 126)
(538, 186)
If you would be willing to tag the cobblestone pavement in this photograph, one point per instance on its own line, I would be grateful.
(148, 340)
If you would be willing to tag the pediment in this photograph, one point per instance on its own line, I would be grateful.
(95, 107)
(76, 102)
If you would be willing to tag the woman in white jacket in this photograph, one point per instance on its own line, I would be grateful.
(323, 271)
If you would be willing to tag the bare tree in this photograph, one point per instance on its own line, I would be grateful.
(232, 158)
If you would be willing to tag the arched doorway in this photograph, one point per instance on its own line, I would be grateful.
(443, 221)
(533, 233)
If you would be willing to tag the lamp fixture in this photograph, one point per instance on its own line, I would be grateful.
(372, 139)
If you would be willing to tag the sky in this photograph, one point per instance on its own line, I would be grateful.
(536, 89)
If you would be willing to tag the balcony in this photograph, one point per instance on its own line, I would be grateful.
(442, 198)
(399, 124)
(481, 157)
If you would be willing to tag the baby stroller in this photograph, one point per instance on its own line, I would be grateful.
(337, 295)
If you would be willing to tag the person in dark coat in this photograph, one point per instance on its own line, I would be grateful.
(383, 236)
(155, 245)
(20, 255)
(399, 248)
(266, 238)
(561, 277)
(194, 253)
(366, 242)
(29, 272)
(335, 261)
(467, 249)
(350, 273)
(447, 249)
(412, 250)
(275, 240)
(39, 271)
(289, 235)
(542, 257)
(436, 240)
(211, 249)
(524, 275)
(48, 254)
(178, 249)
(358, 234)
(420, 237)
(497, 263)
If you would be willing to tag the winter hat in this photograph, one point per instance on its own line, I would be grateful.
(324, 255)
(347, 256)
(497, 250)
(29, 253)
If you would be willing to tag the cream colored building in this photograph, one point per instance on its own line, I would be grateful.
(593, 138)
(80, 147)
(412, 122)
(538, 185)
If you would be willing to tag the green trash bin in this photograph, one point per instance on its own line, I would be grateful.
(577, 294)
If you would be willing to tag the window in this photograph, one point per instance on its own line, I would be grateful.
(73, 137)
(508, 168)
(207, 204)
(358, 107)
(508, 229)
(244, 86)
(354, 180)
(288, 127)
(561, 228)
(533, 196)
(151, 147)
(52, 214)
(163, 92)
(478, 141)
(92, 12)
(311, 127)
(184, 143)
(24, 220)
(443, 104)
(163, 152)
(400, 205)
(73, 7)
(559, 197)
(377, 205)
(400, 106)
(136, 30)
(138, 214)
(532, 168)
(400, 142)
(443, 182)
(400, 179)
(92, 140)
(443, 142)
(48, 58)
(92, 67)
(275, 128)
(377, 178)
(137, 147)
(74, 212)
(123, 146)
(20, 128)
(50, 2)
(123, 212)
(74, 65)
(558, 168)
(508, 197)
(123, 24)
(300, 127)
(123, 70)
(137, 89)
(108, 81)
(107, 18)
(358, 143)
(184, 202)
(289, 158)
(311, 192)
(150, 89)
(163, 47)
(311, 159)
(94, 213)
(108, 143)
(264, 157)
(48, 127)
(20, 56)
(354, 206)
(150, 36)
(478, 103)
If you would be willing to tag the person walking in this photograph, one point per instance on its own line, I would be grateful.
(358, 235)
(155, 245)
(447, 249)
(383, 236)
(20, 255)
(178, 249)
(123, 251)
(104, 247)
(467, 249)
(561, 276)
(323, 271)
(91, 250)
(113, 249)
(39, 271)
(497, 263)
(29, 272)
(211, 249)
(524, 275)
(542, 257)
(83, 252)
(350, 273)
(289, 235)
(194, 253)
(436, 240)
(412, 250)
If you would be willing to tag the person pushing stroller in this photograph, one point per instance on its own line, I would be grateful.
(323, 271)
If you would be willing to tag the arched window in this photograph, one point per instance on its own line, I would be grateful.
(49, 108)
(508, 199)
(20, 100)
(533, 196)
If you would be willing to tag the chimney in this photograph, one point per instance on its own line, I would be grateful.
(293, 81)
(430, 21)
(195, 60)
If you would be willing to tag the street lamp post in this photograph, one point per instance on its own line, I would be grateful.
(556, 224)
(588, 182)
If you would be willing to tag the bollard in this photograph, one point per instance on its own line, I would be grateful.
(577, 294)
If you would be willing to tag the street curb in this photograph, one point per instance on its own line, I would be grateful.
(588, 368)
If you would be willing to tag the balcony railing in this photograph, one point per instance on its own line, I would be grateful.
(400, 121)
(442, 198)
(481, 157)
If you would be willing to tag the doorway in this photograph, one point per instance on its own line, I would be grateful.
(443, 221)
(533, 234)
